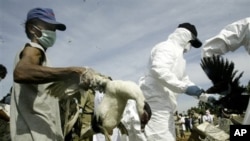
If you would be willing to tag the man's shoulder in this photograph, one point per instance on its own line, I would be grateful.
(34, 45)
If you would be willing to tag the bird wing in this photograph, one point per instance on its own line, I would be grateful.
(226, 82)
(221, 72)
(69, 87)
(62, 89)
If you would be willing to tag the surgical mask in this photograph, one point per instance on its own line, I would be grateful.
(47, 39)
(187, 48)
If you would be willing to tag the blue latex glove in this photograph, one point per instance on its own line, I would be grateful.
(194, 91)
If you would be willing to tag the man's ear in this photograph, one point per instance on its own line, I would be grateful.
(31, 29)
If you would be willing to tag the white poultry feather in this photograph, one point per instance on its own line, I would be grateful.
(109, 112)
(116, 94)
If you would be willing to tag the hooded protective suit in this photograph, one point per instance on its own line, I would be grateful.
(165, 79)
(232, 37)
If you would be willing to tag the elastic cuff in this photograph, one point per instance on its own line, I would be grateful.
(203, 97)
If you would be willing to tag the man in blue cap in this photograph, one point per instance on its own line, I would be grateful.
(34, 112)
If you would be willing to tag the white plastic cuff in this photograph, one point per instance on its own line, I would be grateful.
(204, 97)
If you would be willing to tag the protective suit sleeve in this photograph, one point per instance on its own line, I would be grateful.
(163, 60)
(229, 39)
(187, 80)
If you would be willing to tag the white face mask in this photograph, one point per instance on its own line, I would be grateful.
(187, 48)
(47, 39)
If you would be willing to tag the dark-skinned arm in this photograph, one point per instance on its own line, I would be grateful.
(4, 116)
(30, 70)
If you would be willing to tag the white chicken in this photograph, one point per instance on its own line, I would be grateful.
(109, 113)
(116, 94)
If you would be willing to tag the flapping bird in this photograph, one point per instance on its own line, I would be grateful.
(226, 83)
(109, 112)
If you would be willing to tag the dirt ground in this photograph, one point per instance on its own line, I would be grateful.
(187, 134)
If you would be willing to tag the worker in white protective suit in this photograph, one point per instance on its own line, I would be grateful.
(230, 38)
(165, 79)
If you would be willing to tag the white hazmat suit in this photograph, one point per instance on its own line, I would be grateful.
(165, 79)
(131, 121)
(230, 38)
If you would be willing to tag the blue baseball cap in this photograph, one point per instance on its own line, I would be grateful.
(47, 15)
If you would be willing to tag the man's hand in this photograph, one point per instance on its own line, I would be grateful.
(90, 79)
(208, 98)
(211, 101)
(87, 78)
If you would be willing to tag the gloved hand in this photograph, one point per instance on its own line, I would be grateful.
(208, 98)
(194, 91)
(211, 100)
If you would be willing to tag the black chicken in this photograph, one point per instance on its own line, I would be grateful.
(225, 83)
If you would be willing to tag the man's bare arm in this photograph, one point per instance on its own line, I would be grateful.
(30, 70)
